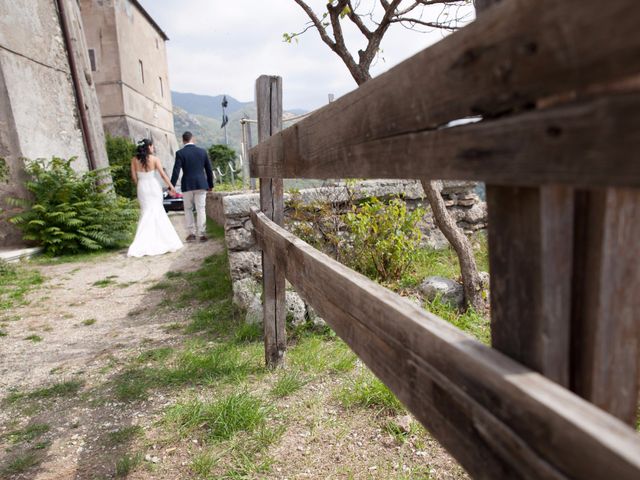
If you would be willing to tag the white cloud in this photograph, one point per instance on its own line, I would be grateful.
(221, 46)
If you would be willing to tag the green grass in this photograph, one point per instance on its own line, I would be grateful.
(105, 282)
(470, 321)
(124, 435)
(203, 463)
(20, 464)
(193, 366)
(288, 382)
(127, 464)
(15, 283)
(367, 391)
(162, 285)
(155, 355)
(89, 321)
(3, 333)
(72, 258)
(315, 354)
(33, 338)
(28, 433)
(248, 332)
(444, 262)
(64, 389)
(221, 419)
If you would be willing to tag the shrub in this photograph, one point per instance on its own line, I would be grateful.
(221, 155)
(385, 238)
(73, 212)
(120, 150)
(4, 171)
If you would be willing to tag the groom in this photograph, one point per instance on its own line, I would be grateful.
(194, 163)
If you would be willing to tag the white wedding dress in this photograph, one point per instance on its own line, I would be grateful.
(155, 234)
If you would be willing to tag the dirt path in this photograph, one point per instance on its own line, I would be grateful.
(110, 295)
(64, 415)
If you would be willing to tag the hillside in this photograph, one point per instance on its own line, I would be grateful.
(202, 115)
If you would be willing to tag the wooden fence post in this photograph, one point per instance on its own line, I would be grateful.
(562, 261)
(269, 104)
(530, 248)
(605, 329)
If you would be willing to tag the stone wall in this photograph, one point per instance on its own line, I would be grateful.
(232, 211)
(39, 116)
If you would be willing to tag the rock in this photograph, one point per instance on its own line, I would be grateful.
(449, 291)
(296, 310)
(255, 312)
(245, 291)
(313, 317)
(240, 205)
(484, 279)
(239, 239)
(245, 264)
(404, 422)
(476, 214)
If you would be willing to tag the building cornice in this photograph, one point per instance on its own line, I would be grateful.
(146, 15)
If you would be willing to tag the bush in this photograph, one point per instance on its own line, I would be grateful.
(221, 155)
(4, 171)
(385, 238)
(73, 212)
(120, 150)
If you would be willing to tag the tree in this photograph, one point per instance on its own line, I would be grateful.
(373, 22)
(220, 156)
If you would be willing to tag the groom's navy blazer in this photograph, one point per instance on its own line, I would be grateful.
(194, 163)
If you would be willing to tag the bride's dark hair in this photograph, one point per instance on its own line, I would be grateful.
(142, 151)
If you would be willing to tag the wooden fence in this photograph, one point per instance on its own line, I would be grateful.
(556, 85)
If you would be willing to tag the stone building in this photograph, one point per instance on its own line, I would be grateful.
(48, 101)
(129, 65)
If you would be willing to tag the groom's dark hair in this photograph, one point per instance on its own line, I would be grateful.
(187, 136)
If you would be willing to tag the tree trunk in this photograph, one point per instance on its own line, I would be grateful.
(459, 242)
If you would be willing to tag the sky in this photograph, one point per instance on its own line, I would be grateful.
(222, 46)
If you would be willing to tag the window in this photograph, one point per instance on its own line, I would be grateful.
(161, 87)
(157, 44)
(141, 70)
(92, 59)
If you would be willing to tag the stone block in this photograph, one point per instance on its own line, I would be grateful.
(449, 291)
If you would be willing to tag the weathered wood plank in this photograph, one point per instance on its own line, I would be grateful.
(500, 419)
(530, 248)
(585, 143)
(517, 52)
(606, 316)
(531, 251)
(269, 106)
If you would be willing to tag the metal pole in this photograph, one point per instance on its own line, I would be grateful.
(252, 181)
(245, 157)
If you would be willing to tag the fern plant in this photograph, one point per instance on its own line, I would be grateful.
(73, 212)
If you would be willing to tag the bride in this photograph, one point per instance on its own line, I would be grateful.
(155, 234)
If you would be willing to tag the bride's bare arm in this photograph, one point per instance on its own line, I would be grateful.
(158, 166)
(134, 176)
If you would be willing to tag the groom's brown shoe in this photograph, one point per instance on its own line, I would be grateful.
(203, 238)
(191, 238)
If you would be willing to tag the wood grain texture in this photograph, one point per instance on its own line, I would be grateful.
(531, 251)
(583, 143)
(498, 418)
(269, 108)
(517, 52)
(606, 316)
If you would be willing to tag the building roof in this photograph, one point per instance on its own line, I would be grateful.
(150, 19)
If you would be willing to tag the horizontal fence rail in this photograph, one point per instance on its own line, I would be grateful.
(498, 418)
(516, 56)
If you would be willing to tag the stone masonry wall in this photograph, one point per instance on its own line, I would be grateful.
(232, 211)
